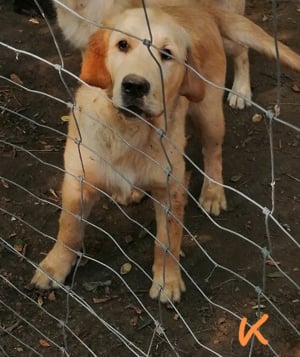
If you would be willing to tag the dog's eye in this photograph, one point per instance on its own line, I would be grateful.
(166, 54)
(123, 45)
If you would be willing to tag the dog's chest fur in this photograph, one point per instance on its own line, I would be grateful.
(118, 153)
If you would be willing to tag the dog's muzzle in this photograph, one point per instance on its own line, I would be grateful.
(134, 88)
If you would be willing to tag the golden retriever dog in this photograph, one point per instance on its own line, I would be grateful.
(77, 31)
(132, 142)
(120, 152)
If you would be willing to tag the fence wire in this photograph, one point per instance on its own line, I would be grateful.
(112, 313)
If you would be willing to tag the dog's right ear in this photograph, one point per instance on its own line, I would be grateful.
(193, 87)
(93, 69)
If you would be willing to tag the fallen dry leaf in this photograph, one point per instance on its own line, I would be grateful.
(53, 193)
(277, 110)
(133, 321)
(101, 300)
(236, 178)
(125, 268)
(19, 245)
(295, 88)
(65, 118)
(33, 20)
(270, 262)
(15, 78)
(137, 309)
(40, 300)
(51, 296)
(105, 206)
(257, 118)
(24, 250)
(4, 183)
(44, 343)
(275, 275)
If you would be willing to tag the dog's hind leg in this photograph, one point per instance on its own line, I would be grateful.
(212, 128)
(241, 81)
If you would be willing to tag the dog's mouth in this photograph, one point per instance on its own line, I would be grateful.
(135, 112)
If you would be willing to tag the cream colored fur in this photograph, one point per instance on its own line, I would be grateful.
(122, 154)
(77, 31)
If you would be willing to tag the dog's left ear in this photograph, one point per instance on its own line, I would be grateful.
(93, 69)
(193, 87)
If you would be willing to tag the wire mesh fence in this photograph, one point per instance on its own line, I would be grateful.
(241, 265)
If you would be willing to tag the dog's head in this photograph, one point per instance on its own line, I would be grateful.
(140, 78)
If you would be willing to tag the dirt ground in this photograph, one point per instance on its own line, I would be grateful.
(27, 220)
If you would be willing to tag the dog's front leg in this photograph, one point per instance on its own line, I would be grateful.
(167, 280)
(77, 201)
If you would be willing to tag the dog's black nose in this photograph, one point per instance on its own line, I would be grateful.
(135, 86)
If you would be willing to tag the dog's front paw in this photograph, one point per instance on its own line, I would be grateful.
(213, 198)
(168, 286)
(52, 272)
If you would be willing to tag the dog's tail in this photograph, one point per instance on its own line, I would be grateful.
(243, 31)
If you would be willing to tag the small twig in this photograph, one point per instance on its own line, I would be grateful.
(289, 104)
(41, 150)
(11, 328)
(293, 177)
(224, 283)
(145, 324)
